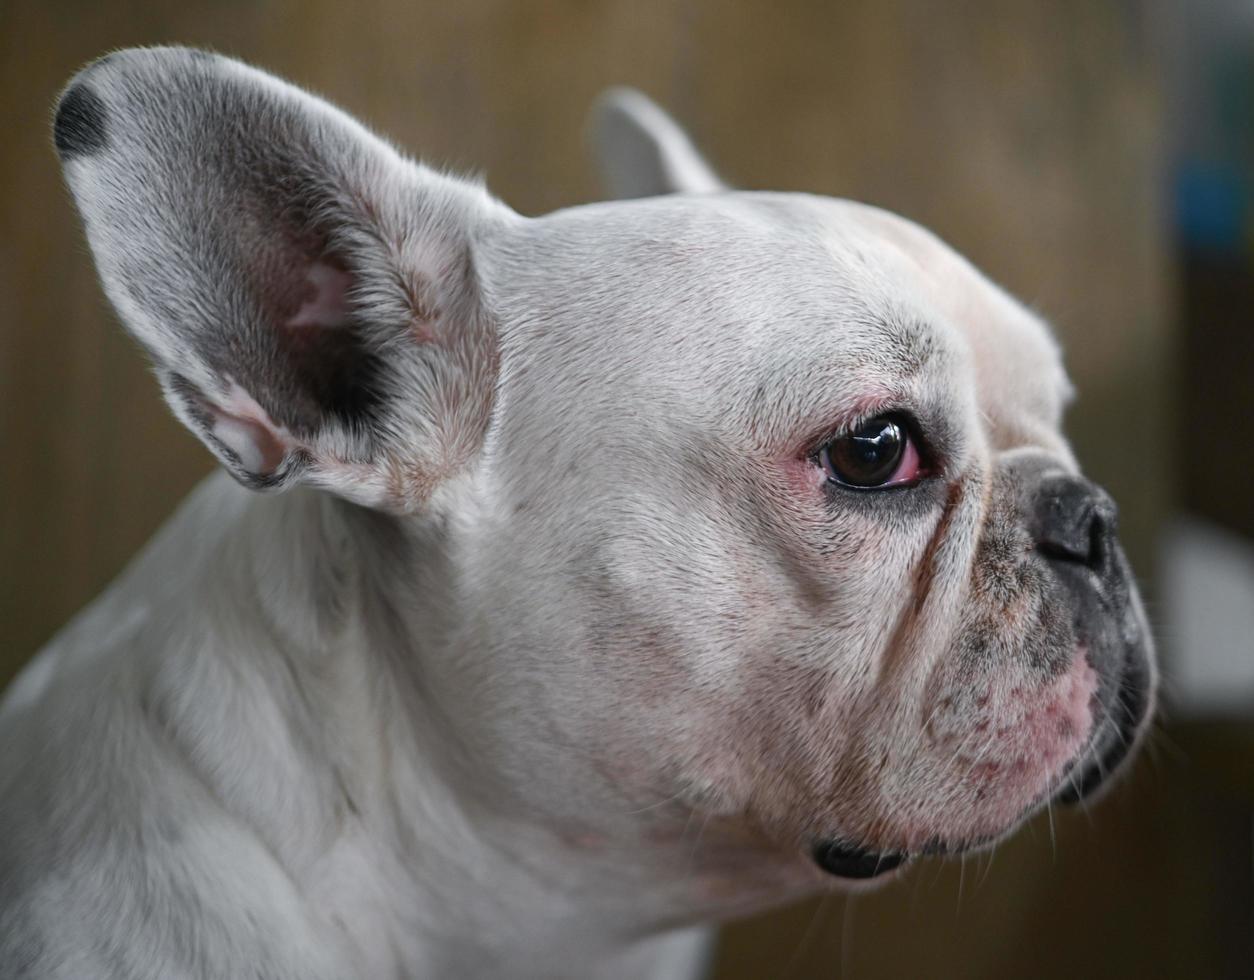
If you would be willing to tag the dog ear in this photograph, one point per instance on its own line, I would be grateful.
(307, 295)
(642, 150)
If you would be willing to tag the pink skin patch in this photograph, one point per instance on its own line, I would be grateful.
(258, 450)
(247, 430)
(325, 302)
(1019, 752)
(802, 477)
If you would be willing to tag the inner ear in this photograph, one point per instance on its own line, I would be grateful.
(326, 347)
(298, 368)
(306, 354)
(321, 341)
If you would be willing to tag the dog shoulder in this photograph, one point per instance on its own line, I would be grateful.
(116, 858)
(117, 862)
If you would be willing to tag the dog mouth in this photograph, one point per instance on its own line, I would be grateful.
(1127, 703)
(843, 860)
(1089, 773)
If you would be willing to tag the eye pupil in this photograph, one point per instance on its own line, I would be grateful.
(867, 456)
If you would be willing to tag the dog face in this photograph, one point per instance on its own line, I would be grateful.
(757, 504)
(879, 670)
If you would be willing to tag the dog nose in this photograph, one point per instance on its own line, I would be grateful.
(1075, 520)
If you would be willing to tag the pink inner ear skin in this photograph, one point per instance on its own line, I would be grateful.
(325, 300)
(246, 429)
(258, 450)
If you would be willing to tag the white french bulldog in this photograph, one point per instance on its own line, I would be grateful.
(642, 564)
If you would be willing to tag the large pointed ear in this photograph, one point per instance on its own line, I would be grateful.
(308, 296)
(642, 150)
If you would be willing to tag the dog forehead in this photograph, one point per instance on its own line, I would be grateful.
(1015, 361)
(742, 285)
(785, 296)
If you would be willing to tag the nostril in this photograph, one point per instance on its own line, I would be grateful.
(1075, 522)
(1097, 540)
(1074, 543)
(1103, 529)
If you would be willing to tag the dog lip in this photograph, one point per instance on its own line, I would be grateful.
(848, 861)
(1094, 768)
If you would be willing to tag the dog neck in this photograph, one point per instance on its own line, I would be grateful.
(331, 648)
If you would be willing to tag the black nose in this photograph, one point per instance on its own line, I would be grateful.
(1075, 520)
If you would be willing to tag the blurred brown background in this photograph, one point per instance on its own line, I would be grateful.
(1033, 136)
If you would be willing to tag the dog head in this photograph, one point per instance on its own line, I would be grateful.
(758, 504)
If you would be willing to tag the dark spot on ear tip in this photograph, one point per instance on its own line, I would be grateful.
(80, 127)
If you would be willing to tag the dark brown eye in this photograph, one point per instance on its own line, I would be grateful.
(878, 453)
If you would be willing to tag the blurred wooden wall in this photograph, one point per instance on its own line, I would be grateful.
(1026, 133)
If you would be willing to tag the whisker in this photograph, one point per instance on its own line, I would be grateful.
(654, 806)
(696, 844)
(992, 853)
(846, 938)
(794, 961)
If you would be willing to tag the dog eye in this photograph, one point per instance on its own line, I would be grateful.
(878, 453)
